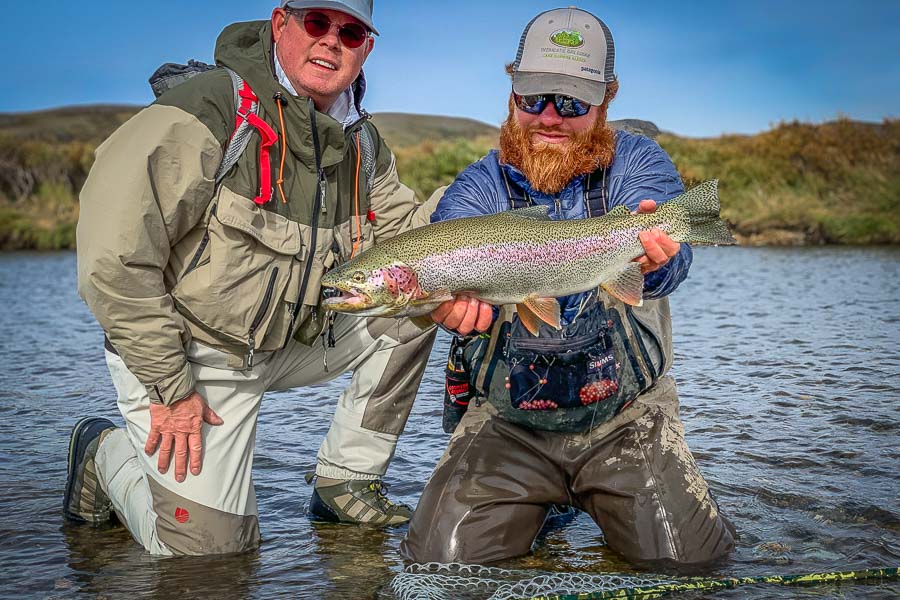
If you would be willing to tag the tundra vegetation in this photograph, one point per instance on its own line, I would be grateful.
(798, 183)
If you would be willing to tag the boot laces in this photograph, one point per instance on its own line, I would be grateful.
(381, 489)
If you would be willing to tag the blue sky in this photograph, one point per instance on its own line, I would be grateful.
(698, 68)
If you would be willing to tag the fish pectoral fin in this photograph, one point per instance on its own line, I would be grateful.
(627, 285)
(436, 297)
(535, 309)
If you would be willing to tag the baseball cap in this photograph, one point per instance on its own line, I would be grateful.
(565, 51)
(361, 9)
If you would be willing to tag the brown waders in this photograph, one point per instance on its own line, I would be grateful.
(634, 474)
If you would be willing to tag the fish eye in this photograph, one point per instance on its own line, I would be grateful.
(359, 277)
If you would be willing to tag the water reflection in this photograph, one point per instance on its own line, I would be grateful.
(106, 562)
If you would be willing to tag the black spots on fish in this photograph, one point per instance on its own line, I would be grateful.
(388, 282)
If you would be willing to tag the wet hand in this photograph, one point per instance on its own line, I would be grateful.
(659, 248)
(464, 315)
(177, 427)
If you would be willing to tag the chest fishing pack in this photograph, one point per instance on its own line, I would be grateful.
(578, 377)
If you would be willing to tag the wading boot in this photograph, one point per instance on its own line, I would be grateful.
(84, 500)
(355, 501)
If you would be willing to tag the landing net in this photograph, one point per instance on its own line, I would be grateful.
(437, 581)
(440, 581)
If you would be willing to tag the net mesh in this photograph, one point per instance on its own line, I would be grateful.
(440, 581)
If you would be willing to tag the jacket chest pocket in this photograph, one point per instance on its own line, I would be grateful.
(354, 236)
(245, 277)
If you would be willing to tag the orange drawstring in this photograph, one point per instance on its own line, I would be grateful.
(283, 151)
(358, 239)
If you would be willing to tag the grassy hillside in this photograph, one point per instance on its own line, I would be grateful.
(799, 183)
(837, 182)
(401, 130)
(91, 124)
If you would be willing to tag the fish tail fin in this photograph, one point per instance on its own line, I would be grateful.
(701, 203)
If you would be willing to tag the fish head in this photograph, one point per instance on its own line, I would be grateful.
(370, 289)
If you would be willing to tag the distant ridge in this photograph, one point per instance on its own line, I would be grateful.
(403, 129)
(94, 123)
(90, 123)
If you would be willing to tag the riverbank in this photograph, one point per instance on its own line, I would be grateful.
(797, 184)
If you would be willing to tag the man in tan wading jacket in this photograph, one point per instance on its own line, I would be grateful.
(208, 293)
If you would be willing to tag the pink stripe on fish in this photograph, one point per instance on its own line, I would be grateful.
(553, 252)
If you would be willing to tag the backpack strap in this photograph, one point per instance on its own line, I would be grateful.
(596, 199)
(595, 194)
(517, 196)
(369, 154)
(246, 120)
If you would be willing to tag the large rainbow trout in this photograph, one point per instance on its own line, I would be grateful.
(519, 257)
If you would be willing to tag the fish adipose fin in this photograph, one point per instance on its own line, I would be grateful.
(627, 285)
(701, 203)
(534, 309)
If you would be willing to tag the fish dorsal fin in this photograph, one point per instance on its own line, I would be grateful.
(618, 211)
(535, 309)
(627, 285)
(535, 213)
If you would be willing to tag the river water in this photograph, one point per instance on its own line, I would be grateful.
(788, 362)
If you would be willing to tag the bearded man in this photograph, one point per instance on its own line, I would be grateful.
(585, 416)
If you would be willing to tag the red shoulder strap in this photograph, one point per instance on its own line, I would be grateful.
(267, 135)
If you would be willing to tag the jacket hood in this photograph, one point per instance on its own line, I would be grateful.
(246, 48)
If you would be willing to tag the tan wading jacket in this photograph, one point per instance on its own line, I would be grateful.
(164, 257)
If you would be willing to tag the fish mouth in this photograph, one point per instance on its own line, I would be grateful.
(345, 299)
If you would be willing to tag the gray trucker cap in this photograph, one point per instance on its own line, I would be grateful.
(565, 51)
(361, 9)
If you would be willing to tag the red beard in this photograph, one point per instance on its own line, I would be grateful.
(549, 167)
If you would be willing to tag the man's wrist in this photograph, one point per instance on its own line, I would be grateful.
(173, 388)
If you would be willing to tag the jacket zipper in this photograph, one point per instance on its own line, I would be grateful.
(319, 205)
(318, 200)
(203, 242)
(571, 344)
(267, 299)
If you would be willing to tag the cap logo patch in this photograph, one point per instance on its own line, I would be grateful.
(567, 38)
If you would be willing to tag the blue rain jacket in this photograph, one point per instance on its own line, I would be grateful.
(640, 170)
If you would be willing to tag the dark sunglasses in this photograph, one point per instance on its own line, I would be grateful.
(316, 24)
(566, 106)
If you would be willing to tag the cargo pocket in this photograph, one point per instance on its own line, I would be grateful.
(245, 282)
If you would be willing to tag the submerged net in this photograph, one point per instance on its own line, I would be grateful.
(439, 581)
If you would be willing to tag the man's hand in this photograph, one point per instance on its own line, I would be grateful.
(464, 314)
(178, 426)
(659, 248)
